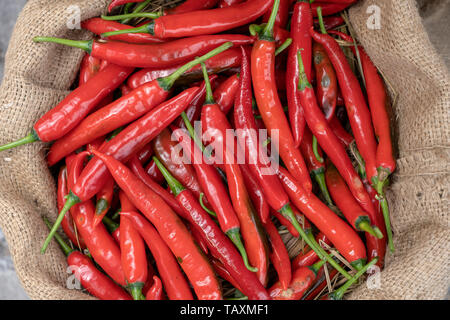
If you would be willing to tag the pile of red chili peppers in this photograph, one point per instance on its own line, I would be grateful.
(143, 224)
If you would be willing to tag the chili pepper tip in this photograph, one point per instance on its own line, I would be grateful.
(235, 237)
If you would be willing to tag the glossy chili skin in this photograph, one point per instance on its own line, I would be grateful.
(89, 67)
(224, 273)
(282, 14)
(327, 87)
(163, 147)
(99, 242)
(225, 93)
(104, 200)
(269, 105)
(339, 131)
(211, 21)
(118, 113)
(156, 291)
(76, 105)
(229, 3)
(93, 280)
(115, 3)
(67, 224)
(215, 122)
(171, 275)
(159, 55)
(331, 145)
(330, 22)
(221, 247)
(132, 248)
(355, 103)
(139, 171)
(343, 237)
(145, 154)
(279, 255)
(129, 141)
(256, 193)
(301, 40)
(170, 227)
(210, 182)
(310, 257)
(192, 5)
(99, 26)
(306, 148)
(152, 170)
(245, 122)
(330, 8)
(230, 58)
(302, 280)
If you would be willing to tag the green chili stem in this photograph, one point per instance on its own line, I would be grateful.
(267, 33)
(110, 224)
(321, 24)
(385, 208)
(116, 214)
(173, 183)
(32, 137)
(202, 204)
(191, 131)
(303, 81)
(209, 99)
(283, 46)
(142, 29)
(235, 237)
(139, 7)
(364, 225)
(136, 290)
(316, 150)
(85, 45)
(149, 15)
(64, 246)
(319, 176)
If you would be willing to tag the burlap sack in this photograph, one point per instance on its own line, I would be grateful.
(38, 75)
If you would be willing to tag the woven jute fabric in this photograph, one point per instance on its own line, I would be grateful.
(37, 77)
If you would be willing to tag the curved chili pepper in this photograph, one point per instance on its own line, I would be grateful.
(343, 237)
(302, 280)
(256, 193)
(149, 283)
(269, 105)
(310, 257)
(327, 86)
(156, 291)
(67, 223)
(94, 281)
(169, 226)
(225, 93)
(145, 154)
(229, 3)
(329, 9)
(152, 170)
(99, 242)
(198, 237)
(74, 107)
(132, 248)
(224, 273)
(328, 141)
(164, 148)
(330, 22)
(113, 228)
(315, 167)
(344, 199)
(116, 3)
(192, 5)
(202, 22)
(89, 67)
(224, 60)
(279, 255)
(172, 277)
(215, 122)
(275, 194)
(301, 21)
(123, 146)
(342, 134)
(99, 26)
(104, 200)
(122, 111)
(282, 14)
(159, 55)
(355, 103)
(218, 243)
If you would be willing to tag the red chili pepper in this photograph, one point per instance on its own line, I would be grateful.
(132, 248)
(150, 281)
(124, 146)
(327, 86)
(301, 21)
(256, 193)
(99, 26)
(224, 273)
(279, 255)
(319, 284)
(282, 14)
(104, 200)
(216, 124)
(145, 154)
(139, 171)
(202, 22)
(302, 280)
(169, 226)
(328, 141)
(74, 107)
(199, 239)
(151, 55)
(67, 224)
(269, 105)
(113, 228)
(130, 107)
(152, 170)
(171, 275)
(343, 237)
(329, 9)
(229, 3)
(225, 93)
(156, 291)
(344, 199)
(309, 257)
(116, 3)
(330, 22)
(89, 67)
(225, 60)
(342, 134)
(355, 103)
(218, 243)
(99, 242)
(192, 5)
(164, 148)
